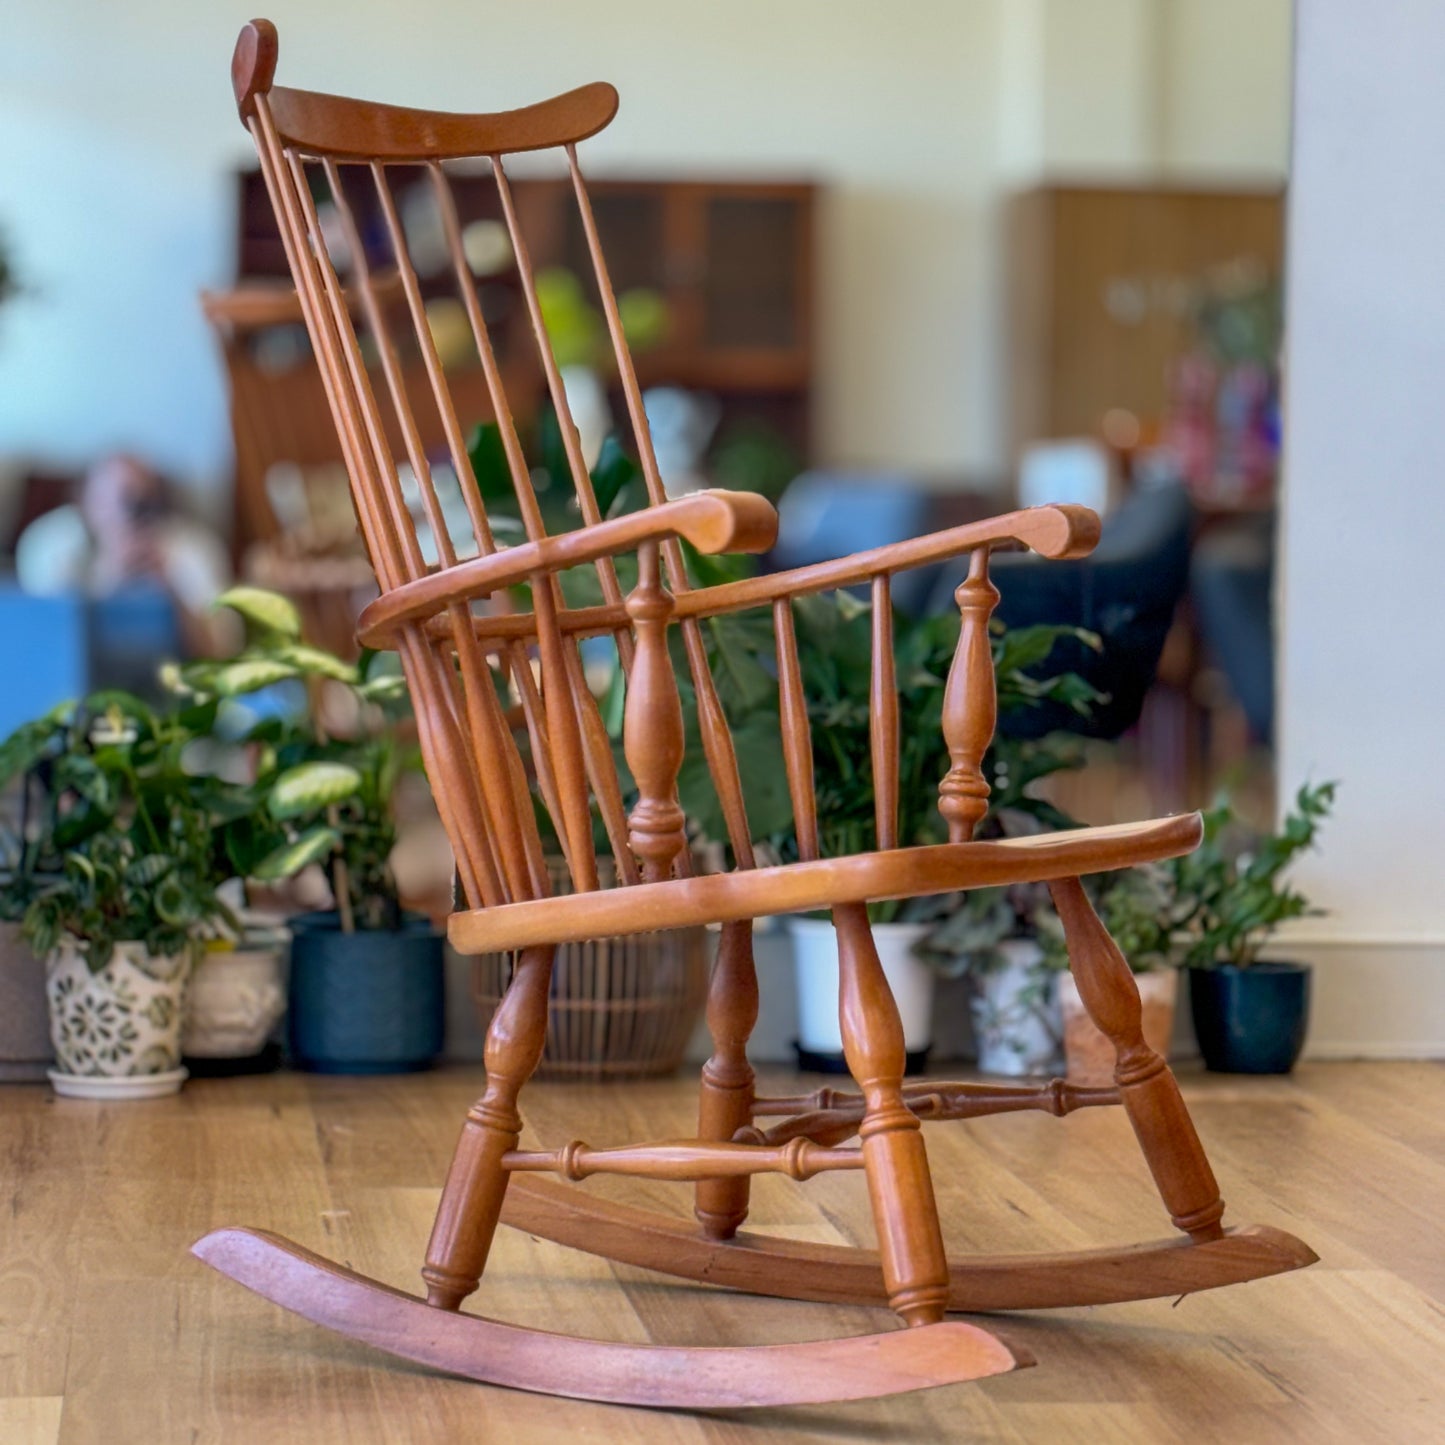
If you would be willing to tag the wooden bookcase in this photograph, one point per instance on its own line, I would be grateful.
(732, 259)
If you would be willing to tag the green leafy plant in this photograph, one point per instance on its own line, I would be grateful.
(834, 633)
(309, 794)
(115, 844)
(1230, 891)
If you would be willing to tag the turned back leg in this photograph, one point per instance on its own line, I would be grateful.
(1147, 1087)
(472, 1197)
(900, 1189)
(725, 1104)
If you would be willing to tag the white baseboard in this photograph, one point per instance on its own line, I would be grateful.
(1372, 997)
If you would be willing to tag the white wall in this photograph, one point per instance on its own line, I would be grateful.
(117, 132)
(1362, 686)
(117, 136)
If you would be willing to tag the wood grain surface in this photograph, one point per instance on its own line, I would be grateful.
(110, 1332)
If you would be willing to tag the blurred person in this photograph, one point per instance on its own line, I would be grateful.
(124, 531)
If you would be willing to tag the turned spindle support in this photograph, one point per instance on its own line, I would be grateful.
(900, 1188)
(1147, 1086)
(970, 704)
(471, 1200)
(725, 1103)
(652, 736)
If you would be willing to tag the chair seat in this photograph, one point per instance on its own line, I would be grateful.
(799, 887)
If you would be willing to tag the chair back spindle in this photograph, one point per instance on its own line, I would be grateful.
(325, 156)
(970, 704)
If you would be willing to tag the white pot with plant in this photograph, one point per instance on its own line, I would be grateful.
(236, 997)
(123, 892)
(993, 938)
(815, 965)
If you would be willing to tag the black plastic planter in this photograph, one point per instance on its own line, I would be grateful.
(369, 1002)
(1250, 1020)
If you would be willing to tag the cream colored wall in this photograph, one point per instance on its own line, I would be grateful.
(1362, 649)
(117, 137)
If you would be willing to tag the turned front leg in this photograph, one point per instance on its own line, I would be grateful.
(471, 1200)
(1147, 1086)
(900, 1189)
(725, 1104)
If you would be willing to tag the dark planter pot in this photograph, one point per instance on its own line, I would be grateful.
(367, 1002)
(25, 1051)
(1250, 1020)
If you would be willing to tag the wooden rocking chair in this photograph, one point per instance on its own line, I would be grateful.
(448, 651)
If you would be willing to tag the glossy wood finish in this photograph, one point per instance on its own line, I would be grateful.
(684, 1160)
(905, 1213)
(726, 1095)
(801, 887)
(839, 1120)
(970, 705)
(797, 1269)
(452, 658)
(472, 1199)
(864, 1367)
(114, 1335)
(1150, 1094)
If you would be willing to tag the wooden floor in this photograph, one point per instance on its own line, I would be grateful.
(110, 1332)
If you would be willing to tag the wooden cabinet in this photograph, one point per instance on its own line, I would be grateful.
(1103, 285)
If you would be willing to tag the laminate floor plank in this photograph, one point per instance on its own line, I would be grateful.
(110, 1333)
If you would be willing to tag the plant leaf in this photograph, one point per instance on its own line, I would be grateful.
(269, 611)
(286, 861)
(312, 786)
(251, 675)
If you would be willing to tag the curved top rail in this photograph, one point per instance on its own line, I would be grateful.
(346, 129)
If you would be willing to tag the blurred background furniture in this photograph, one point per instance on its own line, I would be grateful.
(1103, 292)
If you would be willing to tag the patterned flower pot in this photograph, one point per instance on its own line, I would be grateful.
(117, 1033)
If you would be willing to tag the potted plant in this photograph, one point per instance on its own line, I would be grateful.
(1139, 907)
(25, 1049)
(834, 635)
(996, 938)
(1250, 1016)
(322, 763)
(118, 890)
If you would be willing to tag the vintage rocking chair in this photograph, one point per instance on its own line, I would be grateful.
(481, 788)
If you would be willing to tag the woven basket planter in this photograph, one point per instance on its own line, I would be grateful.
(621, 1008)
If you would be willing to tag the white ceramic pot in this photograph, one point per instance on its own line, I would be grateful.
(233, 1002)
(1089, 1053)
(815, 967)
(1015, 1012)
(123, 1023)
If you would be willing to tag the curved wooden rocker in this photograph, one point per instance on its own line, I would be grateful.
(860, 1368)
(840, 1274)
(454, 648)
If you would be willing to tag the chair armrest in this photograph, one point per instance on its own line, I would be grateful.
(1060, 531)
(713, 521)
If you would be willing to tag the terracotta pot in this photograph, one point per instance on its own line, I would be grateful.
(1088, 1053)
(123, 1023)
